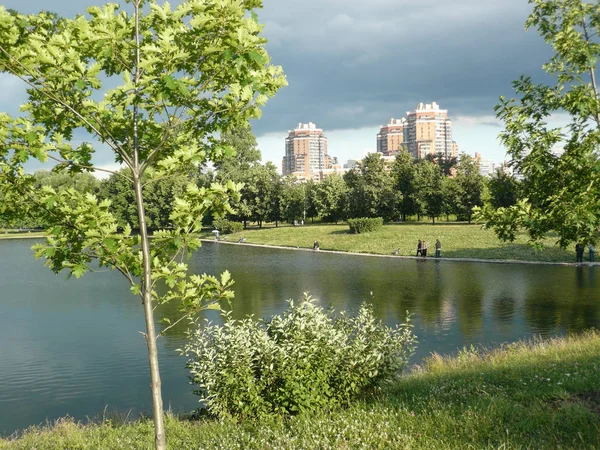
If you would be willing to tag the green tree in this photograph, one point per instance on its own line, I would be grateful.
(559, 193)
(293, 199)
(428, 194)
(82, 182)
(245, 155)
(330, 198)
(370, 189)
(469, 186)
(403, 175)
(186, 75)
(503, 190)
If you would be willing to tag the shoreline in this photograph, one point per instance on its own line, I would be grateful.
(340, 252)
(420, 258)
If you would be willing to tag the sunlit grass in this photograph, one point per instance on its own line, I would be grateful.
(542, 394)
(458, 241)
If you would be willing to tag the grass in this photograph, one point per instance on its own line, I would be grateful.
(458, 240)
(535, 394)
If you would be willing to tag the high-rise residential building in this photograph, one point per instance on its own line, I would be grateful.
(428, 130)
(306, 152)
(391, 137)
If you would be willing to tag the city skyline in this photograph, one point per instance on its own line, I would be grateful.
(355, 64)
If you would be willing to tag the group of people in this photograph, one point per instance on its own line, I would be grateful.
(579, 249)
(422, 248)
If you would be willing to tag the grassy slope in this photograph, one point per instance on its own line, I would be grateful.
(542, 395)
(458, 241)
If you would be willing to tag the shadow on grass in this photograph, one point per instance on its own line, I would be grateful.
(533, 405)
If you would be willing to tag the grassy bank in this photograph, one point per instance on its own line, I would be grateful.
(458, 241)
(527, 395)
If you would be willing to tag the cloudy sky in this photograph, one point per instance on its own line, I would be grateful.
(351, 65)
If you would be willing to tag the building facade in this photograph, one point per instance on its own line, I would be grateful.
(306, 153)
(390, 138)
(428, 130)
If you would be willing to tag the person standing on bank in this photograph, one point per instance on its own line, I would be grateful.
(419, 247)
(438, 248)
(579, 252)
(592, 251)
(424, 249)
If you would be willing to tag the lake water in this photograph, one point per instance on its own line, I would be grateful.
(72, 347)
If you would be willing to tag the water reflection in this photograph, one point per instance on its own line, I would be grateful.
(78, 333)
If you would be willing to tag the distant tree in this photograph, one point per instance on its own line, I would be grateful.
(235, 165)
(446, 164)
(82, 182)
(403, 176)
(503, 190)
(428, 193)
(330, 198)
(370, 189)
(559, 193)
(293, 199)
(469, 184)
(310, 192)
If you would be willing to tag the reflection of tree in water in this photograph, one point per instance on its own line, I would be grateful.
(561, 306)
(503, 310)
(469, 300)
(430, 304)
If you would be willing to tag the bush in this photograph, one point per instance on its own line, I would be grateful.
(303, 359)
(365, 224)
(228, 226)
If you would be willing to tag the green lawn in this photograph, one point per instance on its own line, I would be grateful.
(458, 240)
(526, 395)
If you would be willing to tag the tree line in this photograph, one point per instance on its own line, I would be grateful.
(374, 188)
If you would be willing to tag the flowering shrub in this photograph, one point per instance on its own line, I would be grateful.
(303, 359)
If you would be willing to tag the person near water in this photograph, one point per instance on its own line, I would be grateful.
(424, 249)
(579, 252)
(592, 252)
(438, 248)
(419, 246)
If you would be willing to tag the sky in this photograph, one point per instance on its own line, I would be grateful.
(352, 65)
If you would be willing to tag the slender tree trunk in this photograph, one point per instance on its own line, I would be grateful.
(276, 224)
(155, 383)
(433, 219)
(146, 291)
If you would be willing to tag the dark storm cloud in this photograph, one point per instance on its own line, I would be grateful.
(352, 64)
(356, 63)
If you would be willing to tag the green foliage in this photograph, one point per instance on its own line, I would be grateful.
(330, 198)
(560, 192)
(468, 187)
(365, 224)
(228, 226)
(156, 85)
(301, 360)
(370, 189)
(292, 200)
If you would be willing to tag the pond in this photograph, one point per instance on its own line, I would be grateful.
(73, 347)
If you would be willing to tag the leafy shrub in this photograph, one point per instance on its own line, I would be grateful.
(303, 359)
(365, 224)
(228, 226)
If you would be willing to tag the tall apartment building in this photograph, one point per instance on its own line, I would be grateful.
(390, 138)
(428, 130)
(306, 152)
